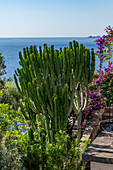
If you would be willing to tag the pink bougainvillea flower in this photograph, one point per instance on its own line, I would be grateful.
(101, 95)
(95, 80)
(100, 72)
(109, 65)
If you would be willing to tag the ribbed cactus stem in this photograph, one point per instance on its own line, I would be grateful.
(30, 133)
(79, 127)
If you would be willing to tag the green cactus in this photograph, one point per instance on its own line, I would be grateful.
(51, 80)
(30, 134)
(86, 77)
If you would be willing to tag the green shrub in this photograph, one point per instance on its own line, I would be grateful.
(11, 95)
(10, 132)
(31, 149)
(63, 154)
(12, 123)
(10, 159)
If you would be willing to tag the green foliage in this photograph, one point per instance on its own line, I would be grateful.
(63, 153)
(9, 158)
(11, 95)
(12, 123)
(31, 150)
(50, 81)
(12, 129)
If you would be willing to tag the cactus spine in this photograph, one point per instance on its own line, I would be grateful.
(50, 80)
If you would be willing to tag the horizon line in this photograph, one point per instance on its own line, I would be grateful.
(40, 37)
(49, 37)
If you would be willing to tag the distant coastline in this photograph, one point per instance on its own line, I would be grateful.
(94, 36)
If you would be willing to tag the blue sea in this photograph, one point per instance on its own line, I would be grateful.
(10, 48)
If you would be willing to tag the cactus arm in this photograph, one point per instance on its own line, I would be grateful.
(92, 64)
(23, 111)
(50, 100)
(81, 96)
(17, 84)
(66, 105)
(86, 98)
(79, 128)
(49, 111)
(33, 95)
(56, 120)
(47, 124)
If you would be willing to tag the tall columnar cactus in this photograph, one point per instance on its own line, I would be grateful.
(50, 81)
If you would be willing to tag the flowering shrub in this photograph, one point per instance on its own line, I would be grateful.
(104, 81)
(2, 71)
(101, 89)
(100, 93)
(95, 103)
(105, 44)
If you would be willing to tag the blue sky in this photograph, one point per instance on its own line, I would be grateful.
(50, 18)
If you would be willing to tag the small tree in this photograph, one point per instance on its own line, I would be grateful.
(2, 71)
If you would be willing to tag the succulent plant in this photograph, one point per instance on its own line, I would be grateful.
(51, 80)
